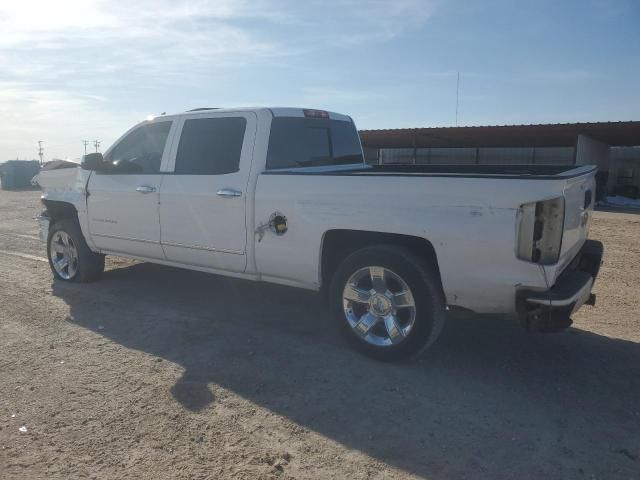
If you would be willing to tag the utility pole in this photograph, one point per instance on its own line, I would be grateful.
(457, 96)
(40, 152)
(85, 143)
(96, 143)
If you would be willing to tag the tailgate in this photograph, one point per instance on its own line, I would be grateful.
(579, 198)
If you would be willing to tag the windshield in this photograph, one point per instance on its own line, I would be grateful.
(306, 142)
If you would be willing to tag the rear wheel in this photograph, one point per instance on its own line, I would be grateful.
(69, 256)
(388, 302)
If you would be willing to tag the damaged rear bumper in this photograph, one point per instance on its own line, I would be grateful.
(550, 310)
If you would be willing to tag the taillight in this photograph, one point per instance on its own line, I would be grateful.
(540, 231)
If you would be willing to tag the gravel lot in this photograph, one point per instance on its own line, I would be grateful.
(160, 373)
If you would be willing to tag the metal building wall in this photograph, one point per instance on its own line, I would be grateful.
(624, 171)
(470, 155)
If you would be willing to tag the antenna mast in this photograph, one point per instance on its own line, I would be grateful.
(457, 96)
(41, 152)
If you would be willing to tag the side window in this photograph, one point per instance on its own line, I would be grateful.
(210, 146)
(140, 151)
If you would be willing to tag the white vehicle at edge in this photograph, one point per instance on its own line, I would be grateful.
(283, 195)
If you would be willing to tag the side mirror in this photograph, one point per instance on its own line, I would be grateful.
(92, 161)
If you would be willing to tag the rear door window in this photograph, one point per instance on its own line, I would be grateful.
(305, 142)
(210, 146)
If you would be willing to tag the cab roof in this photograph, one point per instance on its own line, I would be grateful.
(275, 111)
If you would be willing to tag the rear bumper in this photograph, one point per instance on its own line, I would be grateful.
(551, 309)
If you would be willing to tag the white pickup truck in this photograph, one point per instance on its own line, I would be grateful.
(283, 195)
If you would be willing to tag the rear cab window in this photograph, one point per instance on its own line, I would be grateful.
(308, 142)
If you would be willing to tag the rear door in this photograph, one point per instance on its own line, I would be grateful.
(123, 198)
(203, 200)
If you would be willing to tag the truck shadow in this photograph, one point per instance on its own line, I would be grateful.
(487, 398)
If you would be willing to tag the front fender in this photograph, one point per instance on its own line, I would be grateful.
(67, 187)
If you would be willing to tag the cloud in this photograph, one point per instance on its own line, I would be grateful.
(49, 39)
(67, 60)
(61, 118)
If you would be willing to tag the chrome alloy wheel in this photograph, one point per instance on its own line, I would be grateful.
(64, 255)
(379, 306)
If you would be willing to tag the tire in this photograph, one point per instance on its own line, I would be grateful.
(85, 265)
(409, 330)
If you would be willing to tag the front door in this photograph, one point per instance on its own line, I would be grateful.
(123, 196)
(203, 202)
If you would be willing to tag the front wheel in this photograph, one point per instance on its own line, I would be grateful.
(69, 256)
(388, 301)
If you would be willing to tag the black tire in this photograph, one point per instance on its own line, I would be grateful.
(424, 283)
(90, 265)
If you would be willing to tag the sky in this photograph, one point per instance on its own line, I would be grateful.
(72, 70)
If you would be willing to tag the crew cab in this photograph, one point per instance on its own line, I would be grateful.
(283, 195)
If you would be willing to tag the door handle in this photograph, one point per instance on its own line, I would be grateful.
(228, 193)
(145, 189)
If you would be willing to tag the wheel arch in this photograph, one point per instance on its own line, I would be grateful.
(339, 243)
(58, 210)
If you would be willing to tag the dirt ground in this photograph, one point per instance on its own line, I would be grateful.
(157, 373)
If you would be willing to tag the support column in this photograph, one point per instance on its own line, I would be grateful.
(590, 151)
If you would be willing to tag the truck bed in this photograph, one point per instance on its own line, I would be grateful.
(543, 172)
